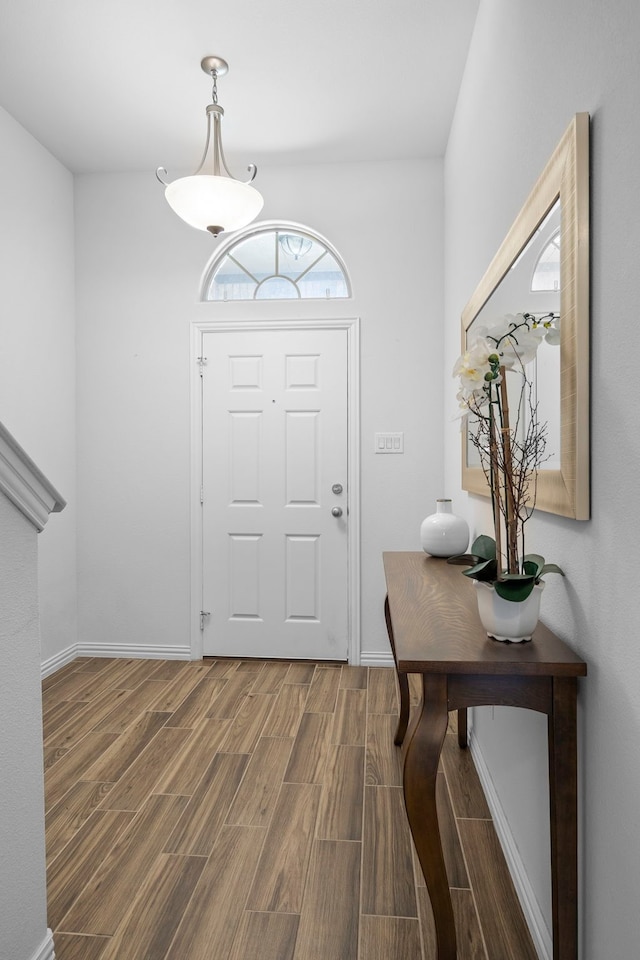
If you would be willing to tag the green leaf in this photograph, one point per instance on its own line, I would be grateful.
(534, 558)
(514, 587)
(484, 547)
(464, 559)
(531, 568)
(552, 568)
(484, 571)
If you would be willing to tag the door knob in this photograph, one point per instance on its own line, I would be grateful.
(336, 512)
(337, 488)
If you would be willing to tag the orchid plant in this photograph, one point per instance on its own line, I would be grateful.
(511, 445)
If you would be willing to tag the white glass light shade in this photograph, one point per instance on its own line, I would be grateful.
(214, 203)
(295, 245)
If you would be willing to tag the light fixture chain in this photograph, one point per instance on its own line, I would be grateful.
(214, 92)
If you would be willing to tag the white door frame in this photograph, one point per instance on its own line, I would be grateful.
(352, 328)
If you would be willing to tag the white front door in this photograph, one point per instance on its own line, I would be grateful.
(275, 557)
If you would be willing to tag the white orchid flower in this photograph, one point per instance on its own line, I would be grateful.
(514, 339)
(517, 339)
(472, 366)
(470, 401)
(519, 348)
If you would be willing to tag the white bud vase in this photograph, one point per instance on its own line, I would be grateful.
(443, 534)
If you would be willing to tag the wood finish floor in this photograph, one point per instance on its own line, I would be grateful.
(236, 810)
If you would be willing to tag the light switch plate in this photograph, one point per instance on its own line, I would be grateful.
(389, 442)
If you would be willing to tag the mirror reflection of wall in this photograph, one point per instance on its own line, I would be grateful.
(532, 285)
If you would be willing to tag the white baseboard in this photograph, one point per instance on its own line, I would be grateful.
(376, 658)
(46, 949)
(135, 651)
(540, 934)
(368, 658)
(59, 660)
(125, 650)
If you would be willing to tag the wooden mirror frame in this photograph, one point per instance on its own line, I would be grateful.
(566, 177)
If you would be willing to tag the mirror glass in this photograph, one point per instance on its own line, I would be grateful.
(533, 279)
(542, 267)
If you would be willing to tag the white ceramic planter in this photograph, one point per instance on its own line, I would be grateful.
(504, 619)
(443, 534)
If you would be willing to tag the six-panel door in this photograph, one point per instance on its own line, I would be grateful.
(274, 446)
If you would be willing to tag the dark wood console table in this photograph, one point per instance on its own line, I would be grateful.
(435, 631)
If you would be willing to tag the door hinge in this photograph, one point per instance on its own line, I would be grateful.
(201, 362)
(203, 614)
(201, 494)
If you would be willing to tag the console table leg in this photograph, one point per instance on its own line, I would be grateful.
(563, 795)
(463, 740)
(403, 683)
(420, 773)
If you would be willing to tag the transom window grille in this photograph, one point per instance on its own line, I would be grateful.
(546, 273)
(281, 263)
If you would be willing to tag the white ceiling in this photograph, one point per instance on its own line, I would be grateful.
(116, 85)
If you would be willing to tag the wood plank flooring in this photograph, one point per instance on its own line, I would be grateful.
(236, 810)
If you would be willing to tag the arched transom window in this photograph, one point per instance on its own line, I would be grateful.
(275, 262)
(546, 273)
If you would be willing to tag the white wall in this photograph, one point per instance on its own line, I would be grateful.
(37, 351)
(139, 269)
(23, 909)
(530, 68)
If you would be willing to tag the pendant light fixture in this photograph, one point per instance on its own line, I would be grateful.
(295, 245)
(211, 198)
